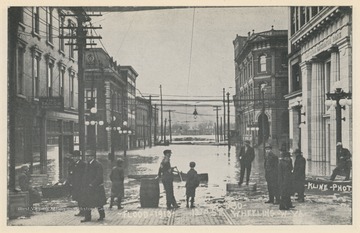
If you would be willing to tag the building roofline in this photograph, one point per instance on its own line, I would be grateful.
(130, 68)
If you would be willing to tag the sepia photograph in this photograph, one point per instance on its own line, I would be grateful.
(181, 115)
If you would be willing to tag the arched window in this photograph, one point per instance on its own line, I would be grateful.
(262, 63)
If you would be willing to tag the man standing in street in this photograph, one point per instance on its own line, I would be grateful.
(271, 174)
(344, 162)
(246, 157)
(94, 188)
(285, 179)
(299, 175)
(167, 177)
(76, 181)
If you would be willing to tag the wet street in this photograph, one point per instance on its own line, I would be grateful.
(214, 205)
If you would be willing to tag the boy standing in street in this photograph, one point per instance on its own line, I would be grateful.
(192, 182)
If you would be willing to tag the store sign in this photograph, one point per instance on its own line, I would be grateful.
(327, 187)
(52, 103)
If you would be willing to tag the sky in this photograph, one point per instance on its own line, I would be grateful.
(189, 53)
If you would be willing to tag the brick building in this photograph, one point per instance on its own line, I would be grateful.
(144, 122)
(320, 60)
(43, 81)
(131, 75)
(106, 90)
(261, 61)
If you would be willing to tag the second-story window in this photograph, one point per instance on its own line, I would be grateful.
(296, 77)
(71, 41)
(61, 80)
(20, 70)
(262, 63)
(71, 89)
(36, 20)
(49, 19)
(50, 80)
(36, 78)
(90, 99)
(61, 33)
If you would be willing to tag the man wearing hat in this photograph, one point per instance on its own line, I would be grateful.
(94, 190)
(299, 175)
(76, 175)
(271, 174)
(285, 179)
(117, 186)
(167, 177)
(246, 157)
(344, 162)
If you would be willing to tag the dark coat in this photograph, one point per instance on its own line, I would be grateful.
(76, 180)
(165, 171)
(94, 185)
(299, 173)
(117, 179)
(248, 156)
(192, 181)
(344, 159)
(285, 176)
(271, 168)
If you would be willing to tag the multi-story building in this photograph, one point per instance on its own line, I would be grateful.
(144, 122)
(320, 60)
(261, 83)
(106, 90)
(131, 75)
(42, 88)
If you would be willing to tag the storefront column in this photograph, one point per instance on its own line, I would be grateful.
(306, 95)
(318, 104)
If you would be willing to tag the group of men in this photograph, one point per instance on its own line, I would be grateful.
(87, 186)
(282, 178)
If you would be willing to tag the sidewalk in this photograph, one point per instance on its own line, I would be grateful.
(234, 209)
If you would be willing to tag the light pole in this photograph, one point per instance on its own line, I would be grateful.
(338, 99)
(124, 130)
(92, 121)
(262, 88)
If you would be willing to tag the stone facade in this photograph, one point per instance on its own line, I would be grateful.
(320, 56)
(261, 60)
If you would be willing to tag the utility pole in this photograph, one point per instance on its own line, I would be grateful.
(224, 113)
(165, 131)
(81, 42)
(217, 108)
(144, 132)
(221, 129)
(170, 123)
(155, 125)
(81, 37)
(228, 125)
(161, 109)
(150, 117)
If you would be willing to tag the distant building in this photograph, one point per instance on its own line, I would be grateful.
(131, 75)
(44, 71)
(261, 60)
(320, 59)
(106, 90)
(143, 122)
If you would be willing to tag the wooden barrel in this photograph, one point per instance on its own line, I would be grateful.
(149, 193)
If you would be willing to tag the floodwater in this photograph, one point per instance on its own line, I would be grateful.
(221, 166)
